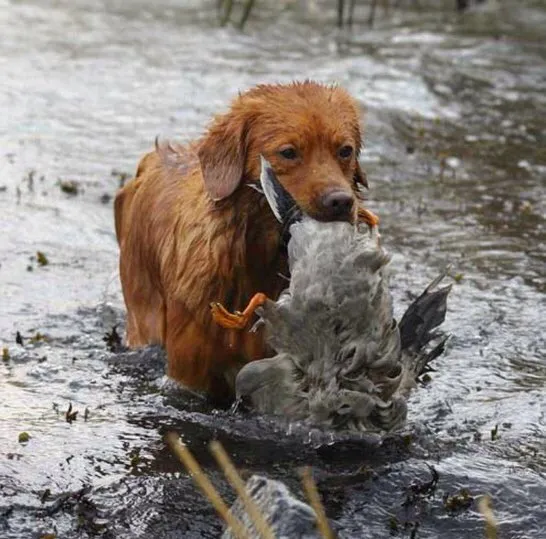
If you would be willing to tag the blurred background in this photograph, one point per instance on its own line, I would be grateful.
(453, 95)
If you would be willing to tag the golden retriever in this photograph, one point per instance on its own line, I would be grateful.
(191, 231)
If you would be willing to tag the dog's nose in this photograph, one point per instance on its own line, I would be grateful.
(337, 205)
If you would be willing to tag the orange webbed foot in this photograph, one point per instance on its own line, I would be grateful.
(227, 320)
(368, 217)
(236, 320)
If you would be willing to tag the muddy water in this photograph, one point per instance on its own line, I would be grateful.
(455, 150)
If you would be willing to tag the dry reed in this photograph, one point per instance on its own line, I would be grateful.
(253, 511)
(484, 505)
(204, 483)
(313, 496)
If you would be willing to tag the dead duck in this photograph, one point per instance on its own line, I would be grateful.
(342, 361)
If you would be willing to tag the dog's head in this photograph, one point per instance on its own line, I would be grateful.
(310, 133)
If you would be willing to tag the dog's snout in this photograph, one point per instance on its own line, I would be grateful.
(337, 205)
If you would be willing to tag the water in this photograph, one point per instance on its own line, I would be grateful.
(455, 139)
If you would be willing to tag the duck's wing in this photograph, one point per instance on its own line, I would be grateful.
(421, 342)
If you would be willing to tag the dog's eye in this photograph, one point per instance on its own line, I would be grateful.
(345, 152)
(288, 153)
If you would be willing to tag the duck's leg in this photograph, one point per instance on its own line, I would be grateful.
(368, 217)
(236, 320)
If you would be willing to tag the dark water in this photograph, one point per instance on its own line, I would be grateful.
(455, 150)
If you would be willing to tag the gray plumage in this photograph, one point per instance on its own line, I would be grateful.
(341, 359)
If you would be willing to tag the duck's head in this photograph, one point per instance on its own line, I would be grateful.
(283, 206)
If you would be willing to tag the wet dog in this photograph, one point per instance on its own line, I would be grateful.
(191, 231)
(342, 361)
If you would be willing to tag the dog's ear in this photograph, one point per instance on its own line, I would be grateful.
(222, 155)
(360, 177)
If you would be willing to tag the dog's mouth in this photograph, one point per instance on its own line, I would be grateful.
(327, 217)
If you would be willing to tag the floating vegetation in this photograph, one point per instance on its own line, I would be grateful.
(41, 258)
(420, 490)
(458, 277)
(38, 337)
(29, 179)
(394, 525)
(70, 187)
(425, 379)
(460, 501)
(134, 456)
(23, 437)
(45, 495)
(495, 433)
(105, 198)
(122, 176)
(113, 340)
(71, 415)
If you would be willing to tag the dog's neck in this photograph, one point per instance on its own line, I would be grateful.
(255, 247)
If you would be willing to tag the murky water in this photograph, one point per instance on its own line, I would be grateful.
(455, 150)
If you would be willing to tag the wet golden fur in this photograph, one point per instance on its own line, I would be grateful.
(191, 232)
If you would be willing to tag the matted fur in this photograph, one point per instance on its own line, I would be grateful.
(190, 231)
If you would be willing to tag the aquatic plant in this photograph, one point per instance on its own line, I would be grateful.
(345, 9)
